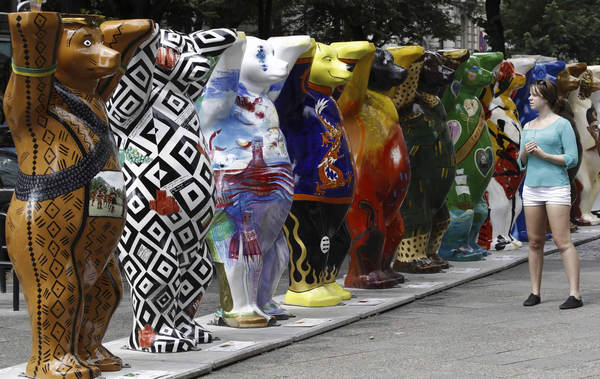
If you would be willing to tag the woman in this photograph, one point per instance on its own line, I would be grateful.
(548, 149)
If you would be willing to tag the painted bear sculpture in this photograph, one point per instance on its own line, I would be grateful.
(586, 178)
(60, 242)
(254, 183)
(315, 229)
(543, 69)
(502, 194)
(593, 118)
(382, 169)
(432, 162)
(474, 158)
(170, 186)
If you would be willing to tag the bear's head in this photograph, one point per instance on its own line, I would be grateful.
(568, 79)
(332, 64)
(588, 84)
(436, 75)
(547, 70)
(410, 58)
(508, 79)
(82, 57)
(385, 74)
(522, 65)
(473, 76)
(267, 62)
(595, 96)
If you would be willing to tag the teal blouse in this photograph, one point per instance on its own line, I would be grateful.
(556, 138)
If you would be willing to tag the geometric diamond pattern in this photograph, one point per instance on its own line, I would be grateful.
(152, 249)
(58, 331)
(58, 289)
(57, 309)
(53, 229)
(56, 268)
(49, 156)
(51, 210)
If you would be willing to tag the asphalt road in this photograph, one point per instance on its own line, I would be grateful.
(479, 329)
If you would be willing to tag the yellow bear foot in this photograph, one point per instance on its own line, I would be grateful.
(338, 291)
(317, 297)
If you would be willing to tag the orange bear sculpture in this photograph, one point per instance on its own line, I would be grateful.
(62, 246)
(382, 170)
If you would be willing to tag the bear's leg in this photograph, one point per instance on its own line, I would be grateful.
(517, 207)
(394, 232)
(193, 282)
(238, 259)
(275, 261)
(153, 275)
(40, 237)
(500, 216)
(101, 300)
(306, 233)
(416, 213)
(271, 212)
(480, 213)
(455, 244)
(365, 221)
(340, 244)
(588, 177)
(439, 224)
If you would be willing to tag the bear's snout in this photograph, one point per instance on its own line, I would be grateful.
(108, 58)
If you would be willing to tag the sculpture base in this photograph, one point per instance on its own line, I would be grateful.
(317, 297)
(437, 260)
(587, 220)
(418, 266)
(251, 320)
(374, 280)
(460, 255)
(104, 359)
(337, 290)
(273, 309)
(69, 367)
(393, 276)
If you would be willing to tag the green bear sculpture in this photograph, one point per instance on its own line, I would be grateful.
(474, 157)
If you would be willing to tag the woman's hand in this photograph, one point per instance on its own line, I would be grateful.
(533, 149)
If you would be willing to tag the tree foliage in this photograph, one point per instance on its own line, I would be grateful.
(380, 21)
(567, 29)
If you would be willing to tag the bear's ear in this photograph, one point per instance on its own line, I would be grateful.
(554, 68)
(576, 69)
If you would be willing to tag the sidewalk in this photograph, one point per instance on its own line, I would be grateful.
(14, 329)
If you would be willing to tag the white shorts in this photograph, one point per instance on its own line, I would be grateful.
(533, 196)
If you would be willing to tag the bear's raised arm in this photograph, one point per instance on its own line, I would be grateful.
(125, 36)
(34, 38)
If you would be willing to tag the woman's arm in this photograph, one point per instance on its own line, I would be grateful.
(522, 160)
(569, 143)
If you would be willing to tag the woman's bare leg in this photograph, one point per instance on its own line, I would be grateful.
(559, 223)
(535, 220)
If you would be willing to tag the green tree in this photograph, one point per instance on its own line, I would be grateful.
(566, 29)
(380, 21)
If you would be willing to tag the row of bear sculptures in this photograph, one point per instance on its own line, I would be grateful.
(214, 151)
